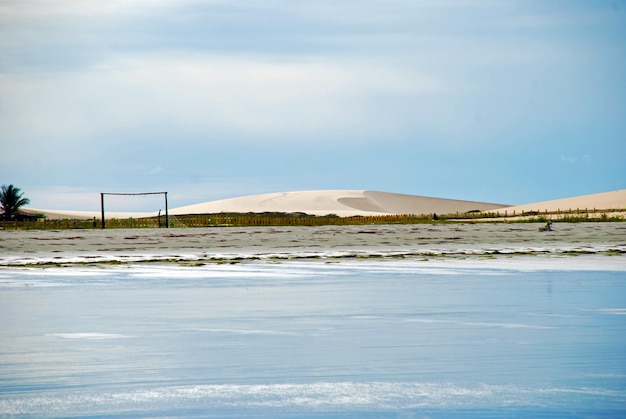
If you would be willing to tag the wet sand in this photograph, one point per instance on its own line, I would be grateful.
(219, 243)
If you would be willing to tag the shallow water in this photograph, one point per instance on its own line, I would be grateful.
(224, 244)
(371, 338)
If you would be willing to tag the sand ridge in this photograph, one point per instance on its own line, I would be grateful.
(346, 203)
(614, 200)
(340, 202)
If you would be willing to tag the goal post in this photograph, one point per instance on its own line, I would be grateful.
(102, 194)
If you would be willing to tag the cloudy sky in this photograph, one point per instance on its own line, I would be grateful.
(489, 100)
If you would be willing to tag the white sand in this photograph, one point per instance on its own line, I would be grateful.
(346, 203)
(343, 203)
(615, 200)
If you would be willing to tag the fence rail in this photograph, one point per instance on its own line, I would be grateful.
(279, 219)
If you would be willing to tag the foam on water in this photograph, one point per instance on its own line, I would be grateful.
(310, 397)
(614, 311)
(88, 336)
(241, 255)
(244, 267)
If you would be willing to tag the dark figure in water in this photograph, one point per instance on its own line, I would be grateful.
(435, 217)
(547, 227)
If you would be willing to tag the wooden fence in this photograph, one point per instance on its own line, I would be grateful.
(288, 220)
(279, 219)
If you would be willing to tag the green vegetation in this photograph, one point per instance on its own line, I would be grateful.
(301, 219)
(11, 200)
(221, 220)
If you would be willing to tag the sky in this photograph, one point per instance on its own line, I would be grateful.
(500, 101)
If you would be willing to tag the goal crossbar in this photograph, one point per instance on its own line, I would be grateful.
(102, 194)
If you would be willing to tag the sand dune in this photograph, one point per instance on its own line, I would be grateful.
(346, 203)
(343, 203)
(615, 200)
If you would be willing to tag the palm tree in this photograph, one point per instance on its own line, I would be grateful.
(10, 201)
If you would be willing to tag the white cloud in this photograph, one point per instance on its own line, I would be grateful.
(156, 170)
(251, 95)
(47, 8)
(585, 158)
(179, 194)
(63, 197)
(88, 198)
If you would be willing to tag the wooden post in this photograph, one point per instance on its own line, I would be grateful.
(167, 215)
(102, 208)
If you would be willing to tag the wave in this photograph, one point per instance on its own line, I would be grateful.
(476, 254)
(309, 397)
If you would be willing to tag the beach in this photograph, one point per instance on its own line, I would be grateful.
(467, 320)
(220, 244)
(315, 322)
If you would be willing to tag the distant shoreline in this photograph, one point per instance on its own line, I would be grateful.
(198, 246)
(363, 203)
(302, 219)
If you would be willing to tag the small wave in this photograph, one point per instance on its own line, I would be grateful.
(243, 331)
(615, 311)
(88, 336)
(309, 397)
(477, 252)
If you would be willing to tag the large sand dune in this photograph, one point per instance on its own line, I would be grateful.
(346, 203)
(343, 203)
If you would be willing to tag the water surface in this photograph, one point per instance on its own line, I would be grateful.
(533, 337)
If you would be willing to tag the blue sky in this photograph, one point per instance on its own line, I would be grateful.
(487, 100)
